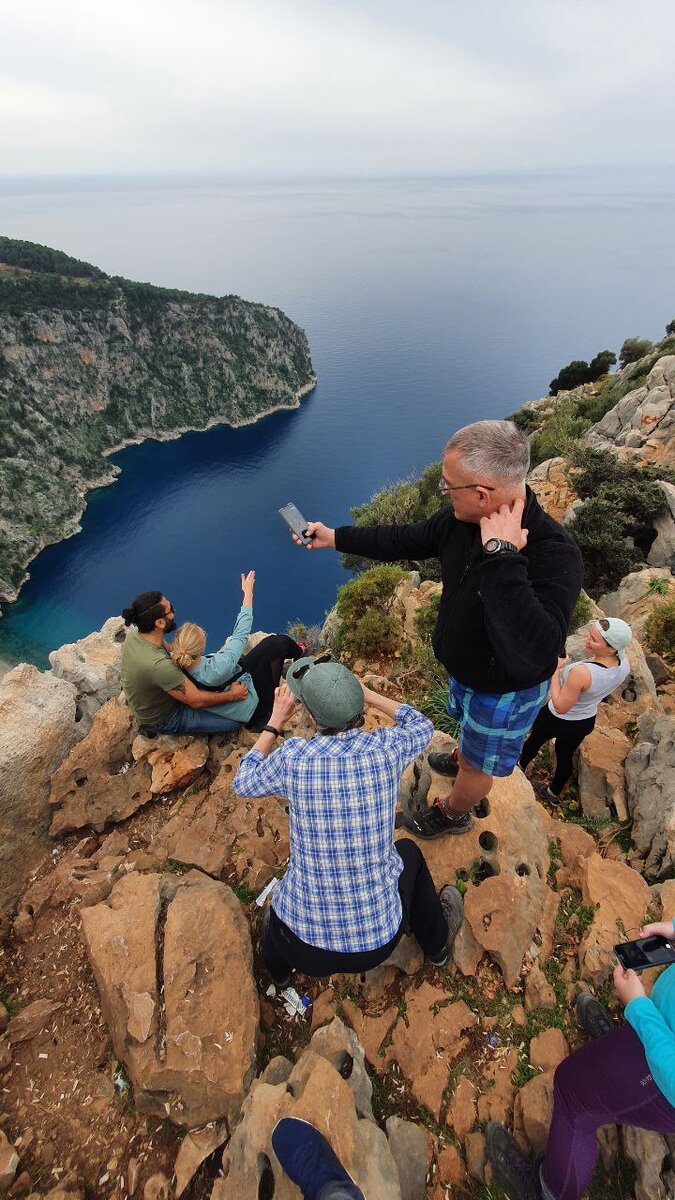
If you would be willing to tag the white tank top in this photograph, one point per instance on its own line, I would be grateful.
(604, 680)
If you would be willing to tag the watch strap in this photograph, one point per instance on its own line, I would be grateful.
(271, 729)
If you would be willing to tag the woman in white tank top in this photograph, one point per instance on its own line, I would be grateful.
(576, 691)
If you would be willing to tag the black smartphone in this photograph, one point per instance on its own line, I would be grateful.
(652, 951)
(296, 522)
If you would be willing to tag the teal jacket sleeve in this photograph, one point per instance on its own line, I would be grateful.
(658, 1041)
(217, 668)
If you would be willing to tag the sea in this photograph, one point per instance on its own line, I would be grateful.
(428, 303)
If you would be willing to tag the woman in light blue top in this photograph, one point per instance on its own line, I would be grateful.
(259, 670)
(625, 1076)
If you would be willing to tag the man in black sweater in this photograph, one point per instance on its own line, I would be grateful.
(511, 576)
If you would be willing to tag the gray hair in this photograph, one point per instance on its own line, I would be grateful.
(496, 449)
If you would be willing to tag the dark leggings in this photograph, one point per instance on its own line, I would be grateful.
(607, 1082)
(283, 951)
(568, 736)
(264, 664)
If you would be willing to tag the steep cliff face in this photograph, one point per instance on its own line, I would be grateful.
(88, 362)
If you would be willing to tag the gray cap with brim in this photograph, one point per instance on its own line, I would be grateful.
(329, 690)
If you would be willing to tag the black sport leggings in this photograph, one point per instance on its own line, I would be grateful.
(568, 736)
(264, 664)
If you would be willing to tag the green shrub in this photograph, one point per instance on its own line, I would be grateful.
(402, 503)
(634, 349)
(559, 434)
(582, 613)
(427, 616)
(657, 586)
(579, 371)
(374, 633)
(366, 624)
(370, 589)
(660, 630)
(606, 556)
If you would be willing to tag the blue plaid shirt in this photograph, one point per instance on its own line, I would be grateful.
(340, 891)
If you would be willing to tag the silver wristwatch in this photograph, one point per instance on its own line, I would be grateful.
(499, 546)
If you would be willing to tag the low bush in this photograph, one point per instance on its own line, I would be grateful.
(582, 612)
(427, 617)
(402, 503)
(660, 630)
(366, 623)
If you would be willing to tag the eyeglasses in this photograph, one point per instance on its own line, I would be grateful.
(444, 487)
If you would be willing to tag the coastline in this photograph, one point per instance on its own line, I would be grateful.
(72, 527)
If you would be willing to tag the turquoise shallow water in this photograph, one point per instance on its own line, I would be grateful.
(428, 304)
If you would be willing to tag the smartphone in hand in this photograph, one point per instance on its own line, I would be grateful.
(296, 522)
(652, 951)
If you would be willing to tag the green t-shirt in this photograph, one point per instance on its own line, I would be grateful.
(148, 673)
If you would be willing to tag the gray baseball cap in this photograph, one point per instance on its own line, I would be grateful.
(329, 690)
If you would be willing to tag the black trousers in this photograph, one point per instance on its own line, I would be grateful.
(568, 736)
(264, 664)
(283, 950)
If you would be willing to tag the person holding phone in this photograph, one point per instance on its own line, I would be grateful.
(576, 691)
(625, 1076)
(511, 576)
(259, 671)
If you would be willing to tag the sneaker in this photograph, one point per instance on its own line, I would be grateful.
(592, 1016)
(444, 764)
(433, 822)
(453, 910)
(308, 1159)
(550, 797)
(511, 1168)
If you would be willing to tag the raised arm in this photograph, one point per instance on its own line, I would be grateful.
(391, 542)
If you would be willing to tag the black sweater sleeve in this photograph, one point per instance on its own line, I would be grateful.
(528, 604)
(391, 542)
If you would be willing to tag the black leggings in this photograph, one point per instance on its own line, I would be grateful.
(264, 664)
(568, 736)
(283, 950)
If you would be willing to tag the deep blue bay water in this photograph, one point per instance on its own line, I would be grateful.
(427, 304)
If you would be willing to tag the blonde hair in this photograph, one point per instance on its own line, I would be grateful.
(188, 645)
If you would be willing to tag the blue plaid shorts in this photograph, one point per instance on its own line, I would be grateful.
(493, 728)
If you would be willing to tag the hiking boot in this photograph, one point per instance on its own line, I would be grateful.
(308, 1159)
(549, 797)
(433, 822)
(453, 910)
(511, 1168)
(593, 1018)
(444, 764)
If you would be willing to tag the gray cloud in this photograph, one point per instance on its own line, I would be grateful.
(273, 87)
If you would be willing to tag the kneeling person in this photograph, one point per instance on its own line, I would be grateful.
(349, 891)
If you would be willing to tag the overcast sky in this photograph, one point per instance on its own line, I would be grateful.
(314, 87)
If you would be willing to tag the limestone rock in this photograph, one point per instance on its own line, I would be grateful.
(533, 1111)
(408, 1146)
(371, 1032)
(551, 484)
(189, 1049)
(620, 897)
(314, 1092)
(92, 665)
(323, 1009)
(474, 1148)
(97, 784)
(427, 1041)
(9, 1161)
(339, 1045)
(4, 1017)
(641, 427)
(31, 1020)
(649, 1152)
(157, 1187)
(461, 1114)
(497, 1091)
(602, 784)
(635, 597)
(538, 990)
(662, 549)
(451, 1169)
(195, 1147)
(548, 1049)
(507, 848)
(38, 726)
(650, 771)
(176, 763)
